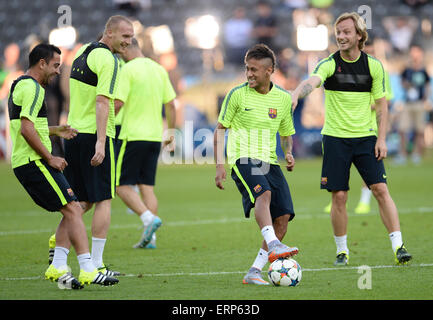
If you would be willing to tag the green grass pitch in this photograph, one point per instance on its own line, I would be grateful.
(205, 245)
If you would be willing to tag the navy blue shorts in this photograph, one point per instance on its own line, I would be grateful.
(91, 184)
(47, 186)
(254, 177)
(338, 156)
(137, 162)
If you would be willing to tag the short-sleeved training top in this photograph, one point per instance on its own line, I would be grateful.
(349, 87)
(144, 87)
(95, 71)
(26, 100)
(254, 120)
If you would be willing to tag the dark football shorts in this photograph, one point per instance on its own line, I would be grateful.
(254, 177)
(91, 184)
(338, 156)
(137, 162)
(47, 186)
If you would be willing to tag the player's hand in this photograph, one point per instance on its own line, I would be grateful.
(99, 154)
(290, 162)
(66, 132)
(380, 149)
(57, 163)
(169, 144)
(294, 102)
(220, 176)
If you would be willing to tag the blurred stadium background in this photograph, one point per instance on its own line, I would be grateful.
(202, 47)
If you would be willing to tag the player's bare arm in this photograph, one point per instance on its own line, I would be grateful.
(29, 133)
(63, 131)
(381, 118)
(117, 105)
(218, 146)
(304, 89)
(170, 113)
(287, 145)
(102, 109)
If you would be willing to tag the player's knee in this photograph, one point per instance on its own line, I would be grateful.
(339, 198)
(379, 190)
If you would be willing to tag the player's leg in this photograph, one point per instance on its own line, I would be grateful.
(364, 201)
(256, 192)
(373, 173)
(150, 200)
(337, 159)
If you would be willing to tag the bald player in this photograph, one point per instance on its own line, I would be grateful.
(91, 171)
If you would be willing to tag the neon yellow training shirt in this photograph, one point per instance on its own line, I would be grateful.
(26, 99)
(144, 87)
(92, 74)
(253, 120)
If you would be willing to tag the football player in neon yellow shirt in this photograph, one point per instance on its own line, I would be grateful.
(351, 77)
(144, 89)
(40, 172)
(254, 112)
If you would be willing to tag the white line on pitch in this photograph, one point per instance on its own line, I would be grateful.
(302, 216)
(218, 273)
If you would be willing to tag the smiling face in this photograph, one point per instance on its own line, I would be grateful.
(50, 69)
(120, 36)
(346, 35)
(258, 72)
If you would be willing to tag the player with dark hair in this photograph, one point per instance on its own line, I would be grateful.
(254, 112)
(144, 89)
(351, 78)
(40, 172)
(91, 171)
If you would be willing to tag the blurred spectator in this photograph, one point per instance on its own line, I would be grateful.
(237, 36)
(412, 113)
(321, 4)
(265, 26)
(415, 3)
(131, 8)
(11, 71)
(295, 4)
(401, 31)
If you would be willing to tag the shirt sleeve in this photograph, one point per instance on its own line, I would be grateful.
(286, 125)
(324, 69)
(229, 108)
(106, 66)
(378, 89)
(124, 86)
(31, 97)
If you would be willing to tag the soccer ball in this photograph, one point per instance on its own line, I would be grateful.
(285, 272)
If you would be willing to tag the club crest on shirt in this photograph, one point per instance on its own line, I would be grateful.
(272, 113)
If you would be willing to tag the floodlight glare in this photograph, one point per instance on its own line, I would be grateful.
(202, 32)
(162, 39)
(312, 38)
(63, 37)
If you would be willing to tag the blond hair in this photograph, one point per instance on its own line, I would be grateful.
(114, 21)
(360, 26)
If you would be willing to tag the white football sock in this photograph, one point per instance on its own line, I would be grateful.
(86, 262)
(146, 217)
(341, 243)
(268, 234)
(396, 240)
(60, 258)
(261, 259)
(365, 195)
(97, 251)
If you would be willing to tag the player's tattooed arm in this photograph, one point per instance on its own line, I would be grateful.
(304, 89)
